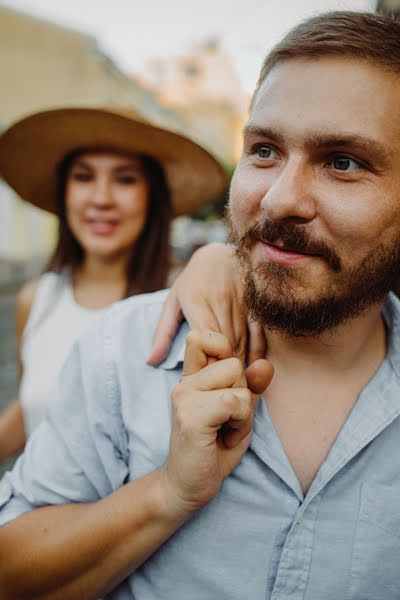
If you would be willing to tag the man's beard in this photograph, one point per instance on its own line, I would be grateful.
(271, 290)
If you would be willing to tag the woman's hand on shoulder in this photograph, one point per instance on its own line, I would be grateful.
(208, 293)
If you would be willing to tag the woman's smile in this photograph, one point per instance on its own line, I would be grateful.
(102, 227)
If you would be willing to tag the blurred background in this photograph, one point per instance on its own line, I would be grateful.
(187, 65)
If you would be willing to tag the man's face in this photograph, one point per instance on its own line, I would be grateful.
(315, 198)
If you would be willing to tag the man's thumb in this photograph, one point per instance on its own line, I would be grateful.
(259, 375)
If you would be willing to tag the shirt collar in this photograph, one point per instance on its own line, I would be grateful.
(391, 314)
(177, 353)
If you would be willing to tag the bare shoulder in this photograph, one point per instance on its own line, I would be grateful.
(24, 302)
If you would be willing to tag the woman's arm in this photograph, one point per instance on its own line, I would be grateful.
(208, 293)
(12, 430)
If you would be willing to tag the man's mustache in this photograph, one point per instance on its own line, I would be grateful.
(293, 236)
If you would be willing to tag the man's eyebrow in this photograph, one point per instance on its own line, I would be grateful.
(322, 140)
(266, 132)
(350, 140)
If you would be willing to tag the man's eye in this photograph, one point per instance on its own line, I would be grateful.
(344, 163)
(264, 151)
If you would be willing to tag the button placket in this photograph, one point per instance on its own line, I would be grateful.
(293, 570)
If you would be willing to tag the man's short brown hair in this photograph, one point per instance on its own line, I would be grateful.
(367, 36)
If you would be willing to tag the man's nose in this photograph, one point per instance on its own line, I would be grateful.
(290, 197)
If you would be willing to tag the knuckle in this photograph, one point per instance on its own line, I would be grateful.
(244, 404)
(193, 338)
(246, 412)
(178, 393)
(230, 400)
(246, 396)
(174, 401)
(180, 413)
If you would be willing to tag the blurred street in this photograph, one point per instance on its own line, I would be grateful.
(8, 370)
(8, 366)
(13, 274)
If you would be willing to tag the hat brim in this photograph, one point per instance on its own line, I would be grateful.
(32, 149)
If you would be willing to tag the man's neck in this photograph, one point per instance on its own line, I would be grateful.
(342, 350)
(316, 384)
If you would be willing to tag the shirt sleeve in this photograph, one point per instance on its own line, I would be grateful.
(79, 453)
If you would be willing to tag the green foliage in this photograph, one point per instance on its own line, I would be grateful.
(216, 209)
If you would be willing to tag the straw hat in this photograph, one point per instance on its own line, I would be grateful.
(32, 149)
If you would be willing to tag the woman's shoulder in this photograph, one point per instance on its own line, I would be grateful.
(24, 302)
(26, 295)
(29, 293)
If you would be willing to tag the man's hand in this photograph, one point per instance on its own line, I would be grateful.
(213, 412)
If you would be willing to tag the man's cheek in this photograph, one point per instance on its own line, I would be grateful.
(239, 207)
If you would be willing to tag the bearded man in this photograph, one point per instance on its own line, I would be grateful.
(249, 486)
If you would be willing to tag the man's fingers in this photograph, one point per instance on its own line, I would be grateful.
(171, 317)
(199, 314)
(259, 375)
(238, 329)
(212, 409)
(233, 437)
(202, 344)
(226, 373)
(237, 408)
(257, 343)
(231, 322)
(240, 424)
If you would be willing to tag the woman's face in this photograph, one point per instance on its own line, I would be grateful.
(106, 198)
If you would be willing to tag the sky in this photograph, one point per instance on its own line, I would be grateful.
(132, 31)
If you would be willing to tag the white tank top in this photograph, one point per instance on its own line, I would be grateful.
(54, 323)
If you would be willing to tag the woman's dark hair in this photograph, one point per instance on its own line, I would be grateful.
(148, 266)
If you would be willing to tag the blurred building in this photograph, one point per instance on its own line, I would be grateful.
(205, 88)
(44, 65)
(388, 6)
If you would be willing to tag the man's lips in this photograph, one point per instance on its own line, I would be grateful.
(282, 254)
(285, 248)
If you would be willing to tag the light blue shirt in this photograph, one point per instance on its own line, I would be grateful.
(260, 538)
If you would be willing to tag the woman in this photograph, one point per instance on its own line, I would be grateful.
(114, 180)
